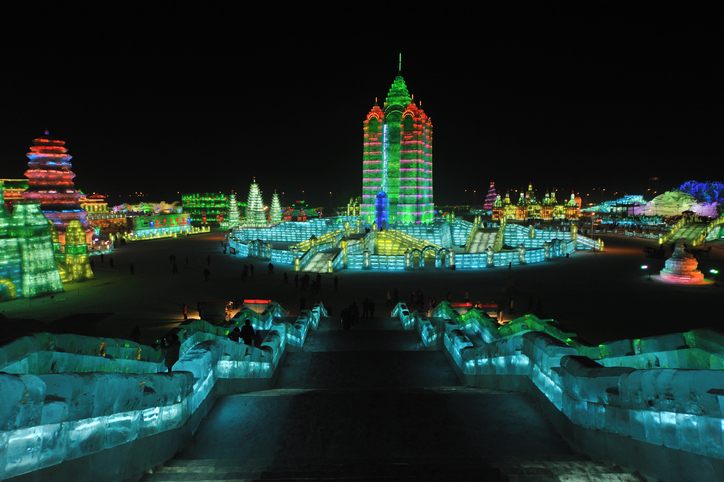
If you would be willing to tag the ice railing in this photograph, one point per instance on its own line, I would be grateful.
(71, 396)
(680, 407)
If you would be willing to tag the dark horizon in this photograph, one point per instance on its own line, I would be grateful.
(174, 102)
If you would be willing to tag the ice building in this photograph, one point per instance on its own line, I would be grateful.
(397, 161)
(528, 207)
(50, 183)
(205, 207)
(27, 262)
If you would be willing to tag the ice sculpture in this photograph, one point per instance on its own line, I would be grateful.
(255, 215)
(50, 183)
(681, 267)
(276, 209)
(27, 246)
(397, 159)
(233, 212)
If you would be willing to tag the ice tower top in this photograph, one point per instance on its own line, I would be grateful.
(398, 94)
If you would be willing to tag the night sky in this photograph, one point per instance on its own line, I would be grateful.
(163, 101)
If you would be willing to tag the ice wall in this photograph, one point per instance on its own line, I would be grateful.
(65, 397)
(633, 413)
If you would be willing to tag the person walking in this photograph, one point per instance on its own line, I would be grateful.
(185, 311)
(247, 333)
(132, 268)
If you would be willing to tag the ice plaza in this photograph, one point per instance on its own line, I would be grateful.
(443, 393)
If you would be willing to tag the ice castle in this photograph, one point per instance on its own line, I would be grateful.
(397, 161)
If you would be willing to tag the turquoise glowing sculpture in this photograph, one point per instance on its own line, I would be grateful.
(397, 159)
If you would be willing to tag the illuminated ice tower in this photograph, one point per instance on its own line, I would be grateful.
(233, 212)
(255, 215)
(397, 161)
(50, 182)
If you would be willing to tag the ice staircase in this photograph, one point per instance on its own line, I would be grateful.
(320, 261)
(691, 232)
(331, 237)
(481, 240)
(401, 240)
(373, 403)
(518, 469)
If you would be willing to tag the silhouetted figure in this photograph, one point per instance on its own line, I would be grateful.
(207, 273)
(136, 334)
(175, 269)
(132, 268)
(346, 319)
(185, 311)
(247, 333)
(171, 348)
(110, 261)
(235, 334)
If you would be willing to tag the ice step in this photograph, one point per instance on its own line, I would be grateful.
(512, 469)
(575, 468)
(417, 469)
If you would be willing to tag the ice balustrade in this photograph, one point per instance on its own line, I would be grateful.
(678, 408)
(48, 418)
(43, 353)
(583, 242)
(290, 232)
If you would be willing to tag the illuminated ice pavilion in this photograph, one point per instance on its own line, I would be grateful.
(50, 183)
(397, 161)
